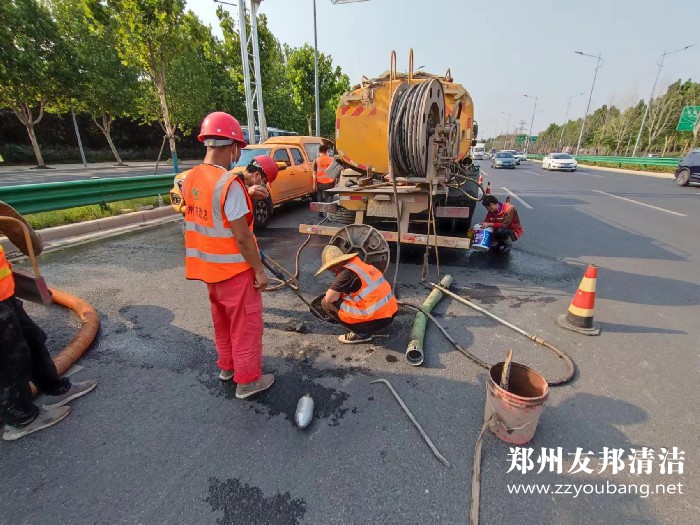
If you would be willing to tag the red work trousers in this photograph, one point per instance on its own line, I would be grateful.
(236, 309)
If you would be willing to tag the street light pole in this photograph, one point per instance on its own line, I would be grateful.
(534, 108)
(505, 135)
(660, 63)
(316, 82)
(566, 119)
(597, 67)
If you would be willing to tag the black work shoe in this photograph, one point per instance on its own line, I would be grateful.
(45, 419)
(352, 338)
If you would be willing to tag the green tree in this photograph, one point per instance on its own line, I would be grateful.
(332, 84)
(103, 86)
(33, 63)
(149, 37)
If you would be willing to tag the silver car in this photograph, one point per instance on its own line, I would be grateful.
(503, 159)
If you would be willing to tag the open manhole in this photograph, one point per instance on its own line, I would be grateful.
(319, 312)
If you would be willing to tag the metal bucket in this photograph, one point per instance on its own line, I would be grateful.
(517, 410)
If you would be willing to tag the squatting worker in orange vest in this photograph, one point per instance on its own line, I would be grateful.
(24, 358)
(323, 181)
(360, 298)
(222, 251)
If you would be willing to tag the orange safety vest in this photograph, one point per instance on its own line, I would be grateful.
(211, 251)
(7, 282)
(374, 300)
(322, 163)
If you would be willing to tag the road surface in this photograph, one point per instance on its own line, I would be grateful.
(162, 441)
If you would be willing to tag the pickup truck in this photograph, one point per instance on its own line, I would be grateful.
(294, 156)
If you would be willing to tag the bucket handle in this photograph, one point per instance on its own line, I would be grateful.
(497, 420)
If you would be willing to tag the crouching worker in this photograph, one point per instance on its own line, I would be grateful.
(503, 218)
(24, 358)
(360, 298)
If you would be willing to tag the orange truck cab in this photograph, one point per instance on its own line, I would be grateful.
(294, 156)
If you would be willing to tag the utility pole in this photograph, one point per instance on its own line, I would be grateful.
(660, 63)
(534, 108)
(599, 64)
(253, 97)
(505, 135)
(566, 119)
(317, 88)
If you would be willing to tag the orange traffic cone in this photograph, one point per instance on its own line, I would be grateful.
(579, 318)
(481, 179)
(488, 188)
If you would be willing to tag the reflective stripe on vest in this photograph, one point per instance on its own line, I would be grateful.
(322, 163)
(208, 231)
(212, 253)
(374, 300)
(7, 281)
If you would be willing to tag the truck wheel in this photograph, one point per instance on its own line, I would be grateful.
(342, 216)
(263, 213)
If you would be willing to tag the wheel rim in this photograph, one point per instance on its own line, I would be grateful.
(261, 212)
(683, 178)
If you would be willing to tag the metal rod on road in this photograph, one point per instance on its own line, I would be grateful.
(651, 96)
(595, 74)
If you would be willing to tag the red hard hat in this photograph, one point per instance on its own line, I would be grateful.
(269, 166)
(220, 124)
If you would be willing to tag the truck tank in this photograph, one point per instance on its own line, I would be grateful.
(363, 118)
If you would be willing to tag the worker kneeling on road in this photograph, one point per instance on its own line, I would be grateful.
(360, 298)
(503, 218)
(24, 358)
(222, 251)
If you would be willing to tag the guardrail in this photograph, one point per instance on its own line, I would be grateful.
(620, 161)
(35, 198)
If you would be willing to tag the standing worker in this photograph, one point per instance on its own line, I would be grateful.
(360, 298)
(503, 218)
(222, 251)
(323, 181)
(24, 358)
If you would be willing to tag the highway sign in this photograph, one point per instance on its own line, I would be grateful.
(689, 117)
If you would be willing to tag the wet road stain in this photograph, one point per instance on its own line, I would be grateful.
(391, 359)
(297, 376)
(242, 503)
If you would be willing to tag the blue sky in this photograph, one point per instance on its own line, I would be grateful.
(500, 50)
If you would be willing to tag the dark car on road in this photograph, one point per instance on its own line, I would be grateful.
(688, 169)
(503, 159)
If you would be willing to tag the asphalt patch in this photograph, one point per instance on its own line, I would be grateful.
(242, 503)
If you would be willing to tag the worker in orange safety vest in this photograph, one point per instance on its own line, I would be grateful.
(222, 251)
(323, 181)
(360, 298)
(24, 358)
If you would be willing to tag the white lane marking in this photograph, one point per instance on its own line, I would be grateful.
(533, 173)
(642, 203)
(587, 174)
(484, 172)
(517, 198)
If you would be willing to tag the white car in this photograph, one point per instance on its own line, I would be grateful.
(520, 155)
(515, 155)
(559, 161)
